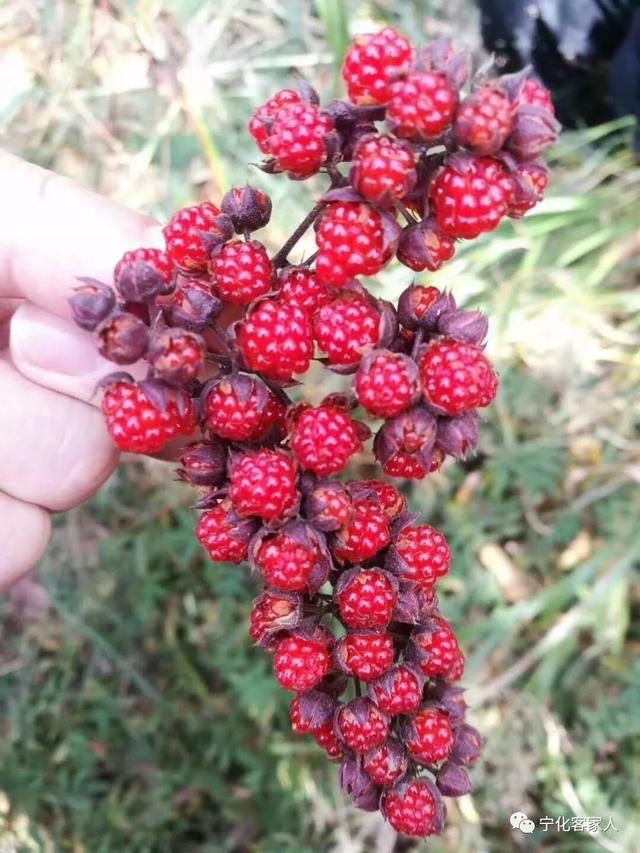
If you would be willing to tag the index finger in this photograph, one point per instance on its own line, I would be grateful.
(52, 230)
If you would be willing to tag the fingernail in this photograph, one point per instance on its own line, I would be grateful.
(52, 344)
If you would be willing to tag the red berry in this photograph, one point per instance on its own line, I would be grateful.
(429, 736)
(275, 339)
(224, 536)
(241, 272)
(457, 377)
(530, 185)
(177, 355)
(300, 286)
(412, 808)
(365, 654)
(273, 418)
(384, 169)
(390, 498)
(372, 62)
(425, 554)
(324, 439)
(367, 600)
(471, 198)
(405, 465)
(537, 95)
(136, 424)
(326, 739)
(263, 483)
(438, 649)
(328, 505)
(298, 724)
(422, 105)
(346, 328)
(285, 563)
(484, 121)
(415, 302)
(386, 763)
(300, 662)
(366, 533)
(387, 383)
(399, 691)
(351, 241)
(362, 725)
(183, 236)
(261, 121)
(297, 139)
(234, 408)
(273, 612)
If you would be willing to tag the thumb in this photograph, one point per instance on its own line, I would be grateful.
(56, 354)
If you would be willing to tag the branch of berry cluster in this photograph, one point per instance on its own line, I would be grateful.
(349, 609)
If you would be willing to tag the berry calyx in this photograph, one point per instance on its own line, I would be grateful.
(457, 377)
(372, 62)
(324, 439)
(531, 179)
(142, 274)
(273, 612)
(424, 246)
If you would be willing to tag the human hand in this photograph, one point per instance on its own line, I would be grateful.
(54, 448)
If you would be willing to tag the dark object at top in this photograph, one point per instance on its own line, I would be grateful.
(587, 52)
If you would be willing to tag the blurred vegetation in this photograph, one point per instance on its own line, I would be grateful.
(135, 713)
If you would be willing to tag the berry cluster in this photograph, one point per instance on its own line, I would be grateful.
(349, 608)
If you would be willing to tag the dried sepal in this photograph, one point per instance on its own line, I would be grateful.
(91, 303)
(453, 780)
(123, 338)
(204, 463)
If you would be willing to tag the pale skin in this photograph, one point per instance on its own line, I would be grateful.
(54, 448)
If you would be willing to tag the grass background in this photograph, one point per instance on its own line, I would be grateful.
(134, 713)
